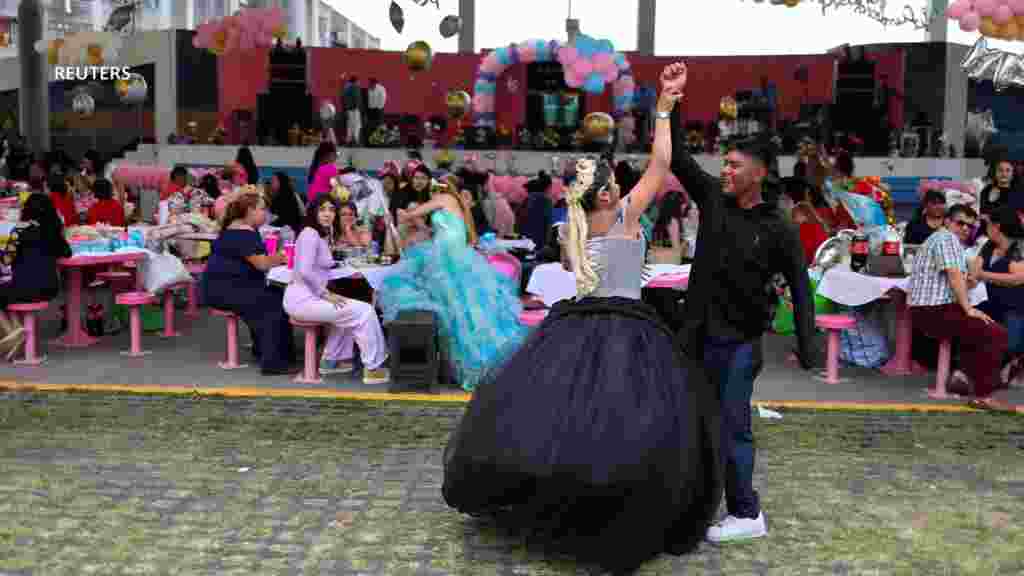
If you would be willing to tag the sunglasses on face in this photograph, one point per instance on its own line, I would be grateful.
(964, 223)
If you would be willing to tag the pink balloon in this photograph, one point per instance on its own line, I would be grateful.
(567, 54)
(527, 54)
(611, 75)
(1017, 6)
(483, 103)
(491, 65)
(603, 61)
(1003, 14)
(956, 10)
(970, 22)
(986, 7)
(584, 67)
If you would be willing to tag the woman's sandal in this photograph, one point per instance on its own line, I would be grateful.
(990, 405)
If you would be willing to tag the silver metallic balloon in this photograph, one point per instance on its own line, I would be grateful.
(1002, 68)
(829, 254)
(83, 104)
(397, 17)
(450, 26)
(132, 90)
(327, 112)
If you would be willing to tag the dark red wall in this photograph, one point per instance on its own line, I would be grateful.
(711, 77)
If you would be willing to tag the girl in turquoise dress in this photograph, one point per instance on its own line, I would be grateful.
(477, 308)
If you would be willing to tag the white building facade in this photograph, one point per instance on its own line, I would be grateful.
(316, 22)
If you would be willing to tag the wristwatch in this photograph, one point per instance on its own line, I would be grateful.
(663, 115)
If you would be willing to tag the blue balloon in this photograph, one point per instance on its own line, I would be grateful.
(585, 46)
(606, 46)
(484, 87)
(619, 60)
(501, 55)
(594, 83)
(543, 53)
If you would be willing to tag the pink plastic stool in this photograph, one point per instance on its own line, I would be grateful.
(232, 322)
(134, 301)
(833, 323)
(28, 311)
(195, 269)
(311, 365)
(532, 317)
(168, 296)
(942, 373)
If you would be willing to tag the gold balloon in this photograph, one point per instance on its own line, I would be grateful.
(988, 27)
(792, 3)
(458, 104)
(728, 109)
(597, 127)
(418, 56)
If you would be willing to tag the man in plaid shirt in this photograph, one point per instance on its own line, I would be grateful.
(940, 308)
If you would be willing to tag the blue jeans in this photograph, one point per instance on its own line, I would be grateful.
(1015, 329)
(733, 366)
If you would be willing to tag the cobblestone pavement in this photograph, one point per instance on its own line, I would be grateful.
(110, 485)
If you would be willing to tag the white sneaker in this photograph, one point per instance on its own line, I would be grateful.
(732, 529)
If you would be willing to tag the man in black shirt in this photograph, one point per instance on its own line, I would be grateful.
(743, 245)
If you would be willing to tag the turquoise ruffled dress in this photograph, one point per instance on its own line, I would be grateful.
(477, 308)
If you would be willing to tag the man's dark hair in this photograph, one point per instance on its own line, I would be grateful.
(933, 197)
(759, 148)
(1009, 224)
(844, 164)
(961, 209)
(179, 171)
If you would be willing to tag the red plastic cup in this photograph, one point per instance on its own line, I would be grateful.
(289, 251)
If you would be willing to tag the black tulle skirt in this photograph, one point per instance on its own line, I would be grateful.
(597, 432)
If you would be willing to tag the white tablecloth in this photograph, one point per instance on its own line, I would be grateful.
(553, 283)
(6, 226)
(521, 244)
(850, 288)
(374, 275)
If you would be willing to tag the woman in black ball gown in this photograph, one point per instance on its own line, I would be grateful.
(597, 432)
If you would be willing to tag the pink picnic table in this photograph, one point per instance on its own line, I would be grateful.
(75, 337)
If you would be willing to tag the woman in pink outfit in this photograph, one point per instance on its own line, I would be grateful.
(307, 299)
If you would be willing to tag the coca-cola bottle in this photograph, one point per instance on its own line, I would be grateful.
(859, 249)
(891, 245)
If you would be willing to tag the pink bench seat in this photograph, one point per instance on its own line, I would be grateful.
(27, 311)
(311, 361)
(833, 323)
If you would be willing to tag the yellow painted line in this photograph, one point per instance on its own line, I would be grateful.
(451, 398)
(247, 392)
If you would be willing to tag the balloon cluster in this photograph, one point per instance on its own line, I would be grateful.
(1003, 19)
(82, 49)
(458, 103)
(590, 63)
(575, 61)
(250, 28)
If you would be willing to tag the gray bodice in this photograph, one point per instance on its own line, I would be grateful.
(619, 264)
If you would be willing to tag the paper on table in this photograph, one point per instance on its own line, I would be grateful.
(855, 289)
(553, 283)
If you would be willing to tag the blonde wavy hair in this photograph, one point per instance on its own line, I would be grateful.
(451, 188)
(575, 242)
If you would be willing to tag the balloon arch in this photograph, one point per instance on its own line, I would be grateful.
(588, 64)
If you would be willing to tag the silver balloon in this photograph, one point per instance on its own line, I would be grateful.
(829, 254)
(1002, 68)
(132, 90)
(83, 104)
(450, 26)
(397, 17)
(327, 112)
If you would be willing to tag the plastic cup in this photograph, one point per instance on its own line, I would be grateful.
(289, 251)
(271, 244)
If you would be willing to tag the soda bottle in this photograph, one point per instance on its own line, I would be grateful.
(891, 245)
(859, 248)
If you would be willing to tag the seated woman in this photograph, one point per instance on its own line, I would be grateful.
(477, 308)
(106, 210)
(307, 299)
(32, 252)
(350, 233)
(236, 279)
(812, 230)
(285, 203)
(62, 198)
(1000, 265)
